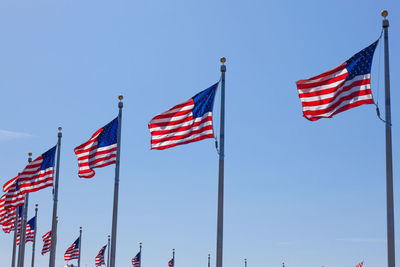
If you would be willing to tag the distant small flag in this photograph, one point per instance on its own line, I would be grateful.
(338, 89)
(73, 251)
(187, 122)
(99, 151)
(30, 231)
(136, 260)
(171, 263)
(100, 257)
(46, 242)
(360, 264)
(38, 174)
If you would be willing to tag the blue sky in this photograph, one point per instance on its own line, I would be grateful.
(306, 193)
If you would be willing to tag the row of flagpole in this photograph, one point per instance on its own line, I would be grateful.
(221, 151)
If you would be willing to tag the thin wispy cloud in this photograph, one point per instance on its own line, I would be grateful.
(7, 135)
(361, 240)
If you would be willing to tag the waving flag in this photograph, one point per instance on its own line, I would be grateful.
(100, 257)
(46, 242)
(13, 196)
(99, 151)
(38, 174)
(9, 220)
(136, 260)
(73, 251)
(360, 264)
(171, 263)
(187, 122)
(338, 89)
(30, 230)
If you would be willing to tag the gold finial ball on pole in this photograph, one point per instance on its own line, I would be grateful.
(36, 205)
(384, 13)
(80, 228)
(120, 97)
(140, 243)
(222, 60)
(30, 154)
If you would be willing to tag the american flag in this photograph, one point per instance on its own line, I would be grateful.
(46, 242)
(338, 89)
(30, 231)
(99, 151)
(136, 260)
(100, 257)
(187, 122)
(360, 264)
(38, 174)
(73, 251)
(13, 196)
(171, 263)
(9, 219)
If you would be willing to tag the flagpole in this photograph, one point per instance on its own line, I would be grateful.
(53, 245)
(34, 237)
(116, 186)
(14, 252)
(80, 246)
(220, 223)
(140, 251)
(208, 265)
(389, 163)
(21, 250)
(245, 262)
(108, 251)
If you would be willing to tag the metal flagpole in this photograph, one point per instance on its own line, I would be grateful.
(140, 251)
(21, 250)
(245, 262)
(34, 237)
(389, 163)
(116, 187)
(80, 246)
(208, 265)
(108, 251)
(14, 252)
(173, 257)
(53, 245)
(220, 223)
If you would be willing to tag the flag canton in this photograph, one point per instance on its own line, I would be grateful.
(103, 250)
(76, 243)
(137, 258)
(108, 135)
(48, 158)
(204, 101)
(360, 63)
(32, 222)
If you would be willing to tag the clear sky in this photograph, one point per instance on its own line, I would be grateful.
(306, 193)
